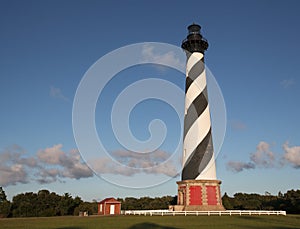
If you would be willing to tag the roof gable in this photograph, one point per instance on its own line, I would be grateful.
(110, 200)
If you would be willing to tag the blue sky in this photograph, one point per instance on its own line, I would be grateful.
(46, 47)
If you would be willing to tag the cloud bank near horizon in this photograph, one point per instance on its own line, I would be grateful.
(264, 157)
(53, 164)
(46, 166)
(126, 163)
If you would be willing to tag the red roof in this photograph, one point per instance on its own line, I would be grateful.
(110, 200)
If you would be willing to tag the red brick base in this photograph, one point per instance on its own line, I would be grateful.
(199, 195)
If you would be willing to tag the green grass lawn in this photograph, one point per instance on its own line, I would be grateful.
(154, 222)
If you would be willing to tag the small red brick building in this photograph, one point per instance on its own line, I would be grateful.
(109, 206)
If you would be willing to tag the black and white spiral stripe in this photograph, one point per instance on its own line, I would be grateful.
(198, 155)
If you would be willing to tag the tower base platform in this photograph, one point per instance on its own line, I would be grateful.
(199, 195)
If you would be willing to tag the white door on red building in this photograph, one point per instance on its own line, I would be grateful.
(112, 209)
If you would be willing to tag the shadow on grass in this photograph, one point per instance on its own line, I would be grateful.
(150, 225)
(69, 227)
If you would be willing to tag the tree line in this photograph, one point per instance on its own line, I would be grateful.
(147, 203)
(289, 201)
(42, 204)
(45, 203)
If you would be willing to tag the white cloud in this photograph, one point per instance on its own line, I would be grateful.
(47, 166)
(237, 166)
(46, 176)
(53, 164)
(57, 93)
(140, 160)
(263, 156)
(168, 168)
(13, 175)
(108, 166)
(13, 166)
(238, 125)
(77, 169)
(287, 83)
(292, 155)
(70, 164)
(130, 163)
(149, 54)
(51, 155)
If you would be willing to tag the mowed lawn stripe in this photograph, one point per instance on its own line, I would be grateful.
(154, 222)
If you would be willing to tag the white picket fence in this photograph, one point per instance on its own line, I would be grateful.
(198, 213)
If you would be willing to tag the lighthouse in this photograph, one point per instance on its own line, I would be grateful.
(199, 188)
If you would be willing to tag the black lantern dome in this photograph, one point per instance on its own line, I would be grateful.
(194, 41)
